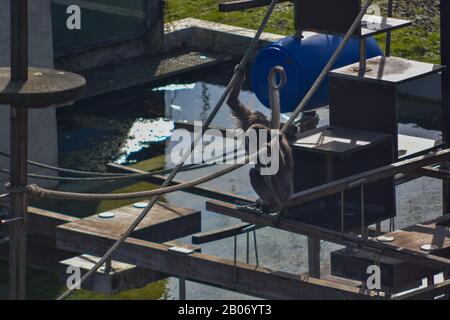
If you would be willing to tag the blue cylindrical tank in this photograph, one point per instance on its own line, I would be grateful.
(303, 60)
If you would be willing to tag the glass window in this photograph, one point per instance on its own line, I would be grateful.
(101, 21)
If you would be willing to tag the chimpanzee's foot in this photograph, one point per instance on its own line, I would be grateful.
(257, 207)
(253, 207)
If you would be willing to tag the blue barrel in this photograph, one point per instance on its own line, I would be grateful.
(303, 60)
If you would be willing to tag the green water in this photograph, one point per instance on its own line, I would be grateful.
(45, 285)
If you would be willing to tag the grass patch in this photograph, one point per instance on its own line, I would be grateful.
(416, 42)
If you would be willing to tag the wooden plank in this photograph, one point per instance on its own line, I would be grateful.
(43, 222)
(123, 276)
(245, 278)
(164, 222)
(368, 177)
(179, 244)
(395, 274)
(428, 292)
(437, 172)
(388, 70)
(288, 224)
(338, 141)
(198, 190)
(429, 233)
(373, 25)
(219, 234)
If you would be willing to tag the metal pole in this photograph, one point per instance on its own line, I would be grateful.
(390, 12)
(342, 211)
(362, 55)
(445, 86)
(248, 247)
(363, 215)
(182, 288)
(256, 248)
(19, 156)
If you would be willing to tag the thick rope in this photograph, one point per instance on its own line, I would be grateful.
(64, 170)
(245, 59)
(131, 176)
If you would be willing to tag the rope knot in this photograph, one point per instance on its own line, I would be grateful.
(32, 190)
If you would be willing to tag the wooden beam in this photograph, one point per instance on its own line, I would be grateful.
(428, 292)
(44, 222)
(368, 177)
(239, 5)
(201, 191)
(215, 271)
(426, 260)
(219, 234)
(436, 173)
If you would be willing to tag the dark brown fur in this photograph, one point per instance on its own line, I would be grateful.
(275, 191)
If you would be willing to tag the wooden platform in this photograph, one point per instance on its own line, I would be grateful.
(432, 232)
(44, 88)
(388, 70)
(338, 141)
(165, 222)
(373, 25)
(145, 70)
(397, 274)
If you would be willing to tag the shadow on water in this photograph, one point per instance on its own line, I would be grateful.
(133, 127)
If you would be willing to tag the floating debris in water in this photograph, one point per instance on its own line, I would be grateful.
(175, 87)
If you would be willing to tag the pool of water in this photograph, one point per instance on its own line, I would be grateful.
(134, 126)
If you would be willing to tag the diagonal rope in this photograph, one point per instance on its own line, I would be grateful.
(121, 177)
(245, 59)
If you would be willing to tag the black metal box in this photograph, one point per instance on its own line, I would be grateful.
(332, 153)
(326, 16)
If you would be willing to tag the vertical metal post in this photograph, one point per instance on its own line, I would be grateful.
(248, 247)
(362, 55)
(235, 259)
(182, 288)
(363, 215)
(256, 248)
(19, 150)
(342, 211)
(390, 12)
(108, 266)
(445, 86)
(314, 257)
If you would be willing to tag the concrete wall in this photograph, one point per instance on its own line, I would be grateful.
(42, 123)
